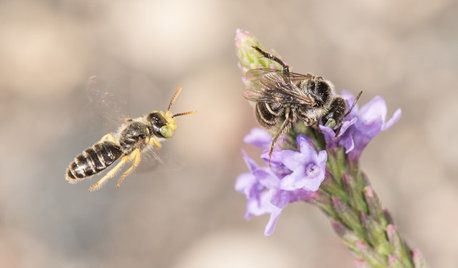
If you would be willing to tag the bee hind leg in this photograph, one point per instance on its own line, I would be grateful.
(135, 156)
(284, 126)
(110, 174)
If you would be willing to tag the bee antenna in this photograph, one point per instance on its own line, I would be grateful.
(274, 58)
(338, 131)
(354, 103)
(174, 98)
(186, 113)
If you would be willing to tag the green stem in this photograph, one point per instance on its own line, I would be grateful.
(358, 217)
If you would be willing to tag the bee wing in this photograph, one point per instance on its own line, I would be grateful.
(268, 84)
(263, 83)
(110, 109)
(152, 160)
(158, 160)
(297, 77)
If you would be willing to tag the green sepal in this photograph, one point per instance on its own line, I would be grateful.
(394, 262)
(398, 247)
(371, 257)
(417, 258)
(374, 205)
(249, 58)
(351, 188)
(376, 235)
(348, 216)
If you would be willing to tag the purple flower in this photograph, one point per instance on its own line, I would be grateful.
(308, 167)
(293, 176)
(360, 126)
(267, 200)
(259, 187)
(264, 206)
(272, 202)
(248, 183)
(258, 137)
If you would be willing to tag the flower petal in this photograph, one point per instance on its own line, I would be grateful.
(373, 110)
(304, 144)
(270, 226)
(396, 116)
(348, 143)
(292, 182)
(251, 164)
(258, 137)
(244, 182)
(346, 125)
(314, 184)
(267, 178)
(322, 157)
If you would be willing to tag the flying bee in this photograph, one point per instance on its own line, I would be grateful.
(288, 97)
(135, 136)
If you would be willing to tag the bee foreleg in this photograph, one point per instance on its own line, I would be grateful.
(108, 137)
(311, 122)
(135, 156)
(111, 173)
(155, 143)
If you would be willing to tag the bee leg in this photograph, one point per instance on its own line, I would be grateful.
(311, 122)
(274, 58)
(108, 137)
(285, 125)
(110, 174)
(134, 156)
(155, 143)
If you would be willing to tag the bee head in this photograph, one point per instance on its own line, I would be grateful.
(321, 90)
(163, 124)
(334, 117)
(336, 114)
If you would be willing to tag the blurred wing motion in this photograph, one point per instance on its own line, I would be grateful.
(270, 85)
(110, 110)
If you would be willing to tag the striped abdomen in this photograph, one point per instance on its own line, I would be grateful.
(93, 160)
(268, 114)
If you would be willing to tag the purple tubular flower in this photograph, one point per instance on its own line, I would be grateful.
(259, 187)
(308, 167)
(360, 126)
(294, 176)
(248, 183)
(264, 206)
(258, 137)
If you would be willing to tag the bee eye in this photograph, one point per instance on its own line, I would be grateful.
(156, 119)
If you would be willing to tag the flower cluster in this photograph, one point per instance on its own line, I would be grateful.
(293, 176)
(360, 126)
(330, 179)
(296, 176)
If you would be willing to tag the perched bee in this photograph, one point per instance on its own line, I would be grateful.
(287, 97)
(127, 144)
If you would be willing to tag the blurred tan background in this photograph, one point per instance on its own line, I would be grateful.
(185, 213)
